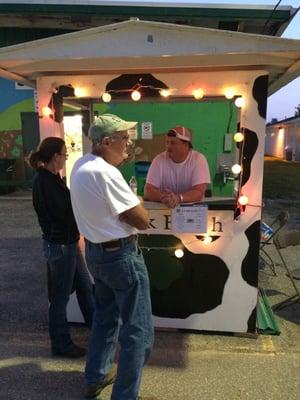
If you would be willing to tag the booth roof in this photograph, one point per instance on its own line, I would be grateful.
(82, 14)
(136, 46)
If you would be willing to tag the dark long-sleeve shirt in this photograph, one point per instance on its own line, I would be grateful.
(52, 203)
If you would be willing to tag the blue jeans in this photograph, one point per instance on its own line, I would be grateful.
(67, 271)
(122, 295)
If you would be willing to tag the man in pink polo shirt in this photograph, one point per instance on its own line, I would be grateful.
(179, 174)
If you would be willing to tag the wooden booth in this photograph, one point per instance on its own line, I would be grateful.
(217, 84)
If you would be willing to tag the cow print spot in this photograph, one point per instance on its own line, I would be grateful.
(250, 262)
(260, 94)
(198, 287)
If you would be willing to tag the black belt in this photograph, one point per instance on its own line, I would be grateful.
(118, 243)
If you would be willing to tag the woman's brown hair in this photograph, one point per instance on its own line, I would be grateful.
(45, 151)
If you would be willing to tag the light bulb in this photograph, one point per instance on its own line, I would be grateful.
(136, 95)
(229, 93)
(198, 93)
(240, 102)
(79, 92)
(164, 92)
(238, 137)
(46, 111)
(236, 169)
(179, 253)
(243, 200)
(106, 97)
(207, 240)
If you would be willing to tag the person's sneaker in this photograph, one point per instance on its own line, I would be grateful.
(92, 391)
(74, 352)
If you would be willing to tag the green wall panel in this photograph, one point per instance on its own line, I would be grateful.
(209, 120)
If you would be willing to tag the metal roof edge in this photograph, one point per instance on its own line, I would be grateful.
(169, 4)
(284, 26)
(174, 9)
(289, 119)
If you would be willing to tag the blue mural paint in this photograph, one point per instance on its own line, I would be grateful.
(11, 96)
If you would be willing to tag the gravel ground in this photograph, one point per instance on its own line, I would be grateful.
(273, 207)
(182, 365)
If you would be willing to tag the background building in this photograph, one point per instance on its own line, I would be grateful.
(283, 139)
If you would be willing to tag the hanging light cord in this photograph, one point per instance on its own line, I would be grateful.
(270, 17)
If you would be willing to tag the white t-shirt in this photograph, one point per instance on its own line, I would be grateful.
(178, 177)
(99, 193)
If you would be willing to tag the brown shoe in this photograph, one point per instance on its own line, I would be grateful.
(92, 391)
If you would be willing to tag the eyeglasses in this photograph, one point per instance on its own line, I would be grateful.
(125, 138)
(64, 154)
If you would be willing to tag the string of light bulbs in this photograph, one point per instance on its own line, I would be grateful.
(136, 94)
(198, 93)
(178, 251)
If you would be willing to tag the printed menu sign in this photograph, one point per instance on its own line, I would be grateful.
(191, 218)
(147, 130)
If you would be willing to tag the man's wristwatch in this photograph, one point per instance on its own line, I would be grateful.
(180, 198)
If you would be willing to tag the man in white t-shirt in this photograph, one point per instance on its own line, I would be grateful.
(179, 174)
(108, 215)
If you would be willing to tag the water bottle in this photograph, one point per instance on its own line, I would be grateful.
(133, 184)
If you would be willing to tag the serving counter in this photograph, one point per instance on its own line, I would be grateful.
(204, 280)
(199, 280)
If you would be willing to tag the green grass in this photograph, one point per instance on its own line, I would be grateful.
(281, 179)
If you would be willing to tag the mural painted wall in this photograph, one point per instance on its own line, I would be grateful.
(12, 103)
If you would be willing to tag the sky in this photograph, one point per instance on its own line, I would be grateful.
(281, 104)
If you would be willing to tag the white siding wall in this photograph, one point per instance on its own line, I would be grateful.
(282, 139)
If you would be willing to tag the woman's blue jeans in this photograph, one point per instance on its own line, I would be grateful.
(67, 272)
(122, 311)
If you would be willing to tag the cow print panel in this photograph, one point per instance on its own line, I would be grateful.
(198, 289)
(250, 147)
(146, 84)
(252, 321)
(260, 93)
(249, 264)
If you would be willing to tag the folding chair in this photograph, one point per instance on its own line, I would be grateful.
(284, 240)
(267, 234)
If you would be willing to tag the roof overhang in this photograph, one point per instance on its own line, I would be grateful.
(84, 14)
(138, 46)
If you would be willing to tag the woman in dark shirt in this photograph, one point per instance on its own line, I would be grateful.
(52, 203)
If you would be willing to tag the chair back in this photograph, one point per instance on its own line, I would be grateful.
(283, 218)
(269, 231)
(287, 238)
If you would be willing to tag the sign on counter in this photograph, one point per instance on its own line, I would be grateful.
(190, 218)
(199, 220)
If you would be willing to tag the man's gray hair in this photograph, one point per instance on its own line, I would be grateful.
(97, 135)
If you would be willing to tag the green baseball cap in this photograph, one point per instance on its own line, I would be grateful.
(106, 125)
